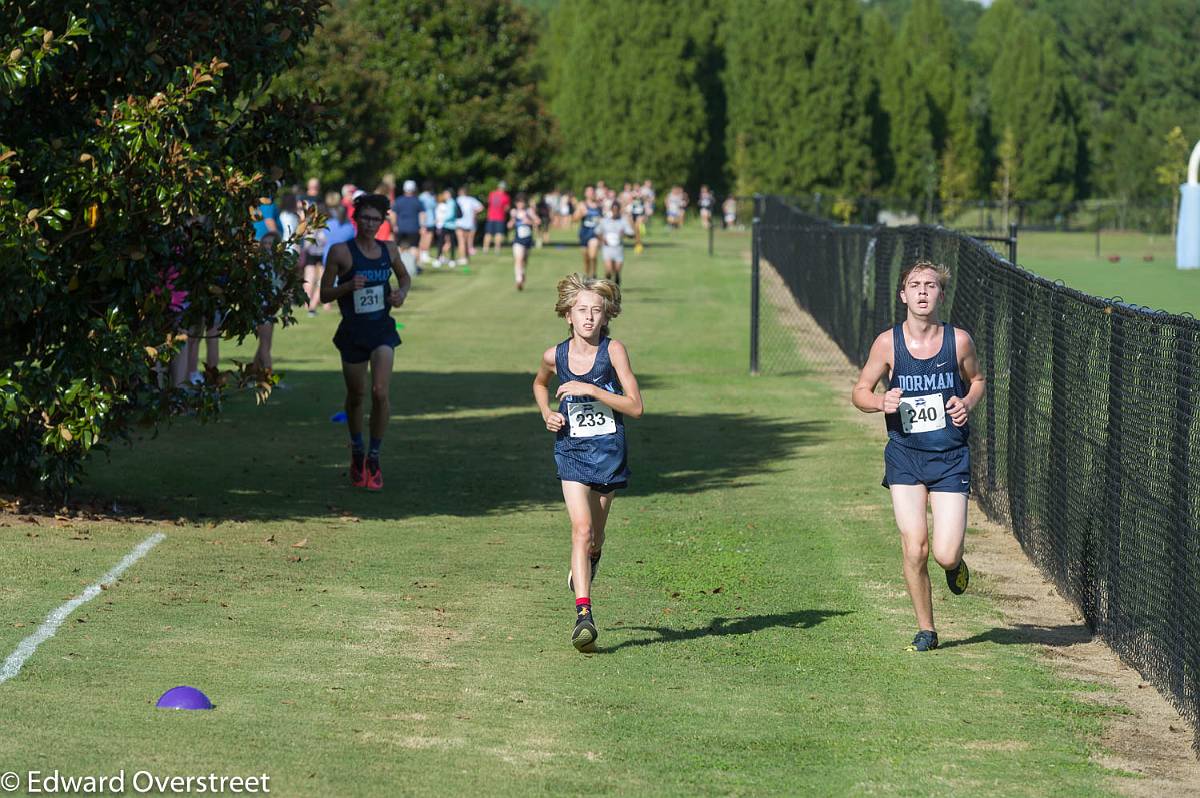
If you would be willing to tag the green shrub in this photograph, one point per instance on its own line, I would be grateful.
(132, 143)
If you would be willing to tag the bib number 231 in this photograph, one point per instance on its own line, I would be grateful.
(369, 299)
(922, 413)
(589, 419)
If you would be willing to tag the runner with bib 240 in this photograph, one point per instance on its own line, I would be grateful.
(934, 383)
(358, 280)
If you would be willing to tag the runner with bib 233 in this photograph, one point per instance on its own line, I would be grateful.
(934, 383)
(597, 390)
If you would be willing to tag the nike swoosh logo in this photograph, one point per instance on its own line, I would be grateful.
(938, 365)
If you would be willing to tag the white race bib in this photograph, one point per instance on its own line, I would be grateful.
(524, 231)
(922, 413)
(612, 239)
(589, 419)
(368, 299)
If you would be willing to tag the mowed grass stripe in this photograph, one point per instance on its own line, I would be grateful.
(751, 608)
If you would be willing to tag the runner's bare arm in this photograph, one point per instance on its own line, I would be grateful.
(541, 392)
(339, 259)
(879, 363)
(968, 364)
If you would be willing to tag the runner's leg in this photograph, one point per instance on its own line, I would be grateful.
(949, 527)
(908, 504)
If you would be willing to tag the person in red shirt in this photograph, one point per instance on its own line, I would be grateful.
(498, 204)
(384, 233)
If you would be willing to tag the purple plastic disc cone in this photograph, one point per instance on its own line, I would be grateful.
(184, 697)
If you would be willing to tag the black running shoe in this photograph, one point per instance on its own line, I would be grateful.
(585, 634)
(958, 578)
(595, 568)
(925, 640)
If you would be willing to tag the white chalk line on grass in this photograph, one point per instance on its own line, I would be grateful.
(16, 660)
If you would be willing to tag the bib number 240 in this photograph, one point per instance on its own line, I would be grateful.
(922, 413)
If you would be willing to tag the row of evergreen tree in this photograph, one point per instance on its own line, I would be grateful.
(1028, 99)
(910, 99)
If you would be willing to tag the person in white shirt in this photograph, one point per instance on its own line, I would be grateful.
(468, 209)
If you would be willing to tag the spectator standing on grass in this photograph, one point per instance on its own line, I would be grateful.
(406, 220)
(933, 383)
(498, 205)
(429, 203)
(446, 229)
(468, 211)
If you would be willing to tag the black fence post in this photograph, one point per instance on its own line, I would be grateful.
(754, 255)
(1012, 243)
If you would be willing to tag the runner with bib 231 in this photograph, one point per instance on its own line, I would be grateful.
(934, 383)
(357, 278)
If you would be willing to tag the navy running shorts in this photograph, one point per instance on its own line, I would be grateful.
(940, 472)
(494, 228)
(606, 488)
(406, 240)
(357, 341)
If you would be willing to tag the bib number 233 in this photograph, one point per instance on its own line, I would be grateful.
(922, 413)
(369, 299)
(589, 419)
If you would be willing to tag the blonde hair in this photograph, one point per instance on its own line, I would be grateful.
(571, 286)
(940, 269)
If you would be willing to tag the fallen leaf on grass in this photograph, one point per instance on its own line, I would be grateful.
(299, 544)
(270, 539)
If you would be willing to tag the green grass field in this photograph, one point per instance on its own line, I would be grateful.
(1071, 258)
(751, 607)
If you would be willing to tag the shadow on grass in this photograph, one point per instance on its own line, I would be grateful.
(722, 627)
(1025, 634)
(488, 453)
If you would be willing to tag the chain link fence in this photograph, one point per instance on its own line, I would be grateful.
(1087, 442)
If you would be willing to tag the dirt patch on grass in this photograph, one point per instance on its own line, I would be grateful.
(1144, 735)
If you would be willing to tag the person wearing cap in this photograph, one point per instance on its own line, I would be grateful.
(498, 204)
(406, 221)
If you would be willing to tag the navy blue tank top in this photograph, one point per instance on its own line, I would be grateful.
(927, 384)
(587, 225)
(522, 228)
(369, 303)
(593, 454)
